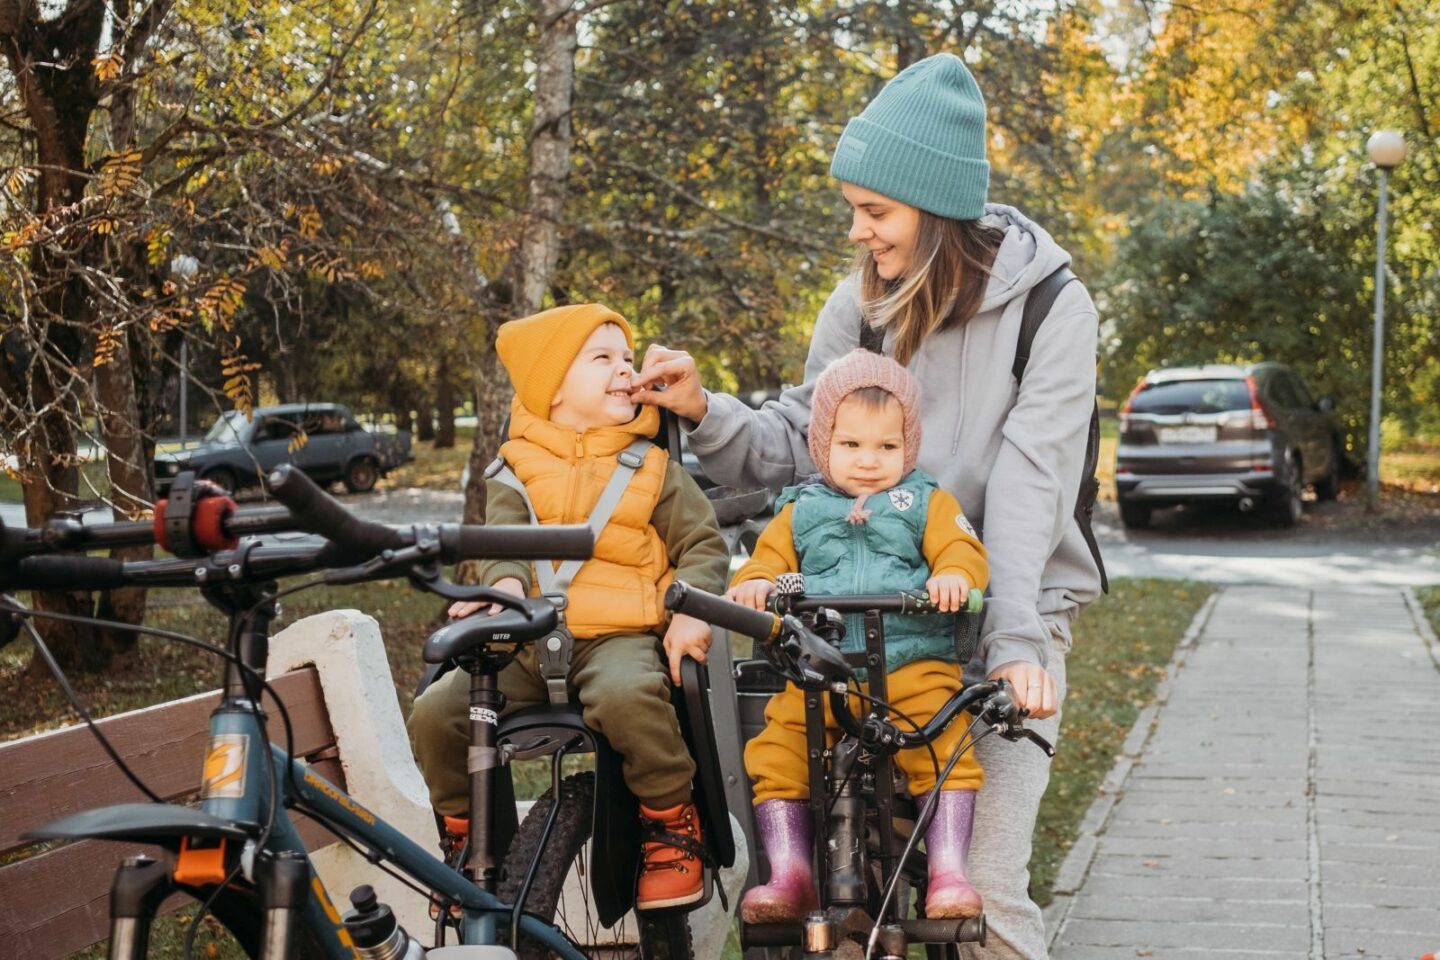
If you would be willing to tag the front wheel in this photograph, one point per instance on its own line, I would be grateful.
(240, 912)
(361, 474)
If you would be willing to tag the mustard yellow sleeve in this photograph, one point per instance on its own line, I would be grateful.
(774, 551)
(949, 546)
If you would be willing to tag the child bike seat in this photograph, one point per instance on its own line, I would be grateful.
(472, 634)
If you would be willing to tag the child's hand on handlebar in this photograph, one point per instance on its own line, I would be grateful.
(751, 593)
(685, 637)
(464, 608)
(948, 591)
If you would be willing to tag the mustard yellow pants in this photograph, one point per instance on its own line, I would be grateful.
(775, 759)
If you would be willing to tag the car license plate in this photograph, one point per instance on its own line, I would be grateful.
(1191, 434)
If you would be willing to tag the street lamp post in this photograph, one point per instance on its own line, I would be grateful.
(184, 266)
(1387, 150)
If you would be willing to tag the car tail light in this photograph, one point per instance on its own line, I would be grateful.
(1125, 407)
(1260, 418)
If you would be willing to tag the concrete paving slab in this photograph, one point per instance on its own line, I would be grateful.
(1258, 817)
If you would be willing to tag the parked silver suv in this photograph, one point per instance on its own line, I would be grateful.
(1250, 434)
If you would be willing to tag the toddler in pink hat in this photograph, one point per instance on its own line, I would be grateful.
(869, 523)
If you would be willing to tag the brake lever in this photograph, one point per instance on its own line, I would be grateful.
(1006, 718)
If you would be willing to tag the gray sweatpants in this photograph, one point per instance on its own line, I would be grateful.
(1016, 775)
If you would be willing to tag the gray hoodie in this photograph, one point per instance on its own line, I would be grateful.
(1013, 458)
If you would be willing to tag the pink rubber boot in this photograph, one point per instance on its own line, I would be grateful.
(947, 849)
(786, 833)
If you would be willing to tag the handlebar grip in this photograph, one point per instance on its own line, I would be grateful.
(737, 618)
(315, 511)
(65, 573)
(472, 541)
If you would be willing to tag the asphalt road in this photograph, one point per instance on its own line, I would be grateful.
(1334, 545)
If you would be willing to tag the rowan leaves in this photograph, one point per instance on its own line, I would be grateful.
(120, 173)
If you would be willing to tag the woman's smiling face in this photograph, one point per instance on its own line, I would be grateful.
(885, 227)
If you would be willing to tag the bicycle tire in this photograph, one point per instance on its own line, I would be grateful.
(568, 837)
(666, 938)
(240, 912)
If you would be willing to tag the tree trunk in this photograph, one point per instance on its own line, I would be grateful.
(445, 406)
(51, 62)
(128, 469)
(425, 421)
(539, 249)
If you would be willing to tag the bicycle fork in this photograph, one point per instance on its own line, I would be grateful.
(142, 883)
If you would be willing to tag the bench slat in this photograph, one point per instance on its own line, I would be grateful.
(50, 775)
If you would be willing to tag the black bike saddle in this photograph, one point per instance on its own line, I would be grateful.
(477, 631)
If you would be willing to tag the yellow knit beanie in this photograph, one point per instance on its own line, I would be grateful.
(538, 350)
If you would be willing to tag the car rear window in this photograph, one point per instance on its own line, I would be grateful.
(1192, 396)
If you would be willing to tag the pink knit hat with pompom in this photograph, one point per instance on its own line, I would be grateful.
(854, 371)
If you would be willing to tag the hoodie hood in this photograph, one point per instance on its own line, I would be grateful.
(1027, 255)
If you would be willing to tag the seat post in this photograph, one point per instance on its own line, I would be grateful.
(483, 760)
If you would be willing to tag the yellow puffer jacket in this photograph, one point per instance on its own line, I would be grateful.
(619, 589)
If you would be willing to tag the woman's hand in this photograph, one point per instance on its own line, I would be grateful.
(685, 637)
(751, 593)
(1034, 688)
(463, 608)
(669, 378)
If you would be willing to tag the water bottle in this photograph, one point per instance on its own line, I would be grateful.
(374, 930)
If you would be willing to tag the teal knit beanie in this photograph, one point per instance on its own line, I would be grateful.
(921, 141)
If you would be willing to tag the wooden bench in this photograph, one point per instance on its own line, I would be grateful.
(56, 901)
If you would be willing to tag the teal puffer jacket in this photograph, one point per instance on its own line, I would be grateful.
(883, 555)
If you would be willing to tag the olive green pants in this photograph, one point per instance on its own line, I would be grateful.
(624, 691)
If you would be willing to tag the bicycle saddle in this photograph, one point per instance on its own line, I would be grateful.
(478, 631)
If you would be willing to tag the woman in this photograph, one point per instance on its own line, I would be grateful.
(945, 276)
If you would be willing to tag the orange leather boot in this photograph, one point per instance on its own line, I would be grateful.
(673, 873)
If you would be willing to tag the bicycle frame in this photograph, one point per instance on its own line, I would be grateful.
(244, 798)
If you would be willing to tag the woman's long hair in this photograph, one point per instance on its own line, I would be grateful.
(943, 287)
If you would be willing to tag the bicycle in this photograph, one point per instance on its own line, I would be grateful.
(237, 855)
(865, 832)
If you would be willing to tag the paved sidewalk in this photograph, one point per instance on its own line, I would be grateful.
(1282, 801)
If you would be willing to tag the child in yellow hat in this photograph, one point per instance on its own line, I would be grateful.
(571, 421)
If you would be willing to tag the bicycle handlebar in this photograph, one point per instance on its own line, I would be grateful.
(315, 511)
(349, 542)
(735, 617)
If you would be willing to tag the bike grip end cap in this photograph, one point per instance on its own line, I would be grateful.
(976, 600)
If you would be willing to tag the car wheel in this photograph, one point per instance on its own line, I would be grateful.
(1135, 516)
(222, 478)
(1328, 486)
(360, 475)
(1284, 507)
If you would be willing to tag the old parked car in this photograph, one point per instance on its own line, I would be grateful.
(1251, 435)
(237, 452)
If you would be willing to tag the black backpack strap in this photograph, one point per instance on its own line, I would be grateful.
(1038, 303)
(871, 338)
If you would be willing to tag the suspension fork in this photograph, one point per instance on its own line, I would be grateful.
(140, 884)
